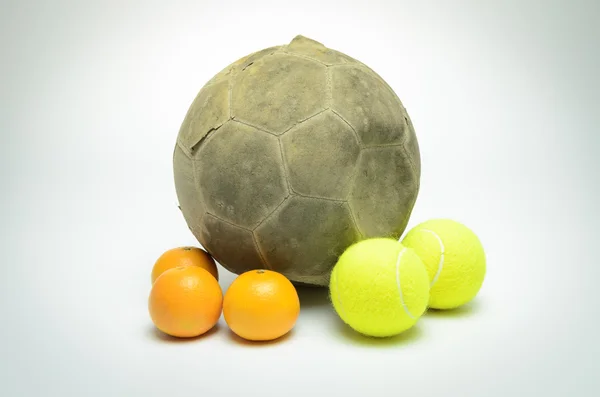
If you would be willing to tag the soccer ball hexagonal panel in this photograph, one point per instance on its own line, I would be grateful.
(278, 91)
(383, 191)
(368, 105)
(320, 155)
(209, 110)
(240, 174)
(241, 64)
(232, 246)
(411, 145)
(304, 238)
(186, 190)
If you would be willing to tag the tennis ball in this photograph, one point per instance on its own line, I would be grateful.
(379, 287)
(454, 258)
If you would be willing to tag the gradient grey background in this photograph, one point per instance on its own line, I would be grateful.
(505, 101)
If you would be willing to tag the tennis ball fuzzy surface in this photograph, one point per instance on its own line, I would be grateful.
(379, 287)
(454, 258)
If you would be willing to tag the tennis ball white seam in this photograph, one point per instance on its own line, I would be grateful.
(440, 265)
(398, 284)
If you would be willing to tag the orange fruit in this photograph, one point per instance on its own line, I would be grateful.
(185, 301)
(184, 256)
(261, 305)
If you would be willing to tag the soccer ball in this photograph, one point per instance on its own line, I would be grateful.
(290, 155)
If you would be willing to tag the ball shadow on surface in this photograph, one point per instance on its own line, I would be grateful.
(409, 336)
(244, 342)
(312, 296)
(158, 335)
(467, 310)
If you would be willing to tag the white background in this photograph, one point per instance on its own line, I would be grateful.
(504, 97)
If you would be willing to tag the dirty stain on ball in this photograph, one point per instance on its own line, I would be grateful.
(290, 155)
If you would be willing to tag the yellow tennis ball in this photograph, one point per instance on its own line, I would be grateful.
(454, 258)
(379, 287)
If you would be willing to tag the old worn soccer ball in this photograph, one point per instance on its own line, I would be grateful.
(290, 155)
